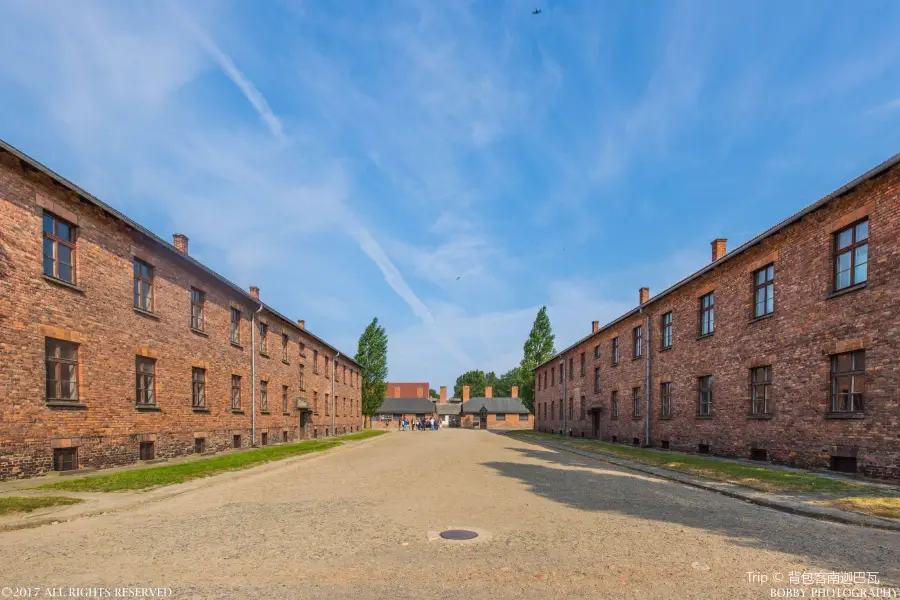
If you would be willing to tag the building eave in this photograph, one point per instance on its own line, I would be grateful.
(820, 203)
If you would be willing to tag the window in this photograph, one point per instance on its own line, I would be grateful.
(301, 384)
(198, 301)
(583, 365)
(146, 451)
(327, 371)
(665, 399)
(614, 404)
(523, 418)
(637, 338)
(583, 409)
(284, 399)
(707, 313)
(706, 396)
(571, 367)
(145, 376)
(571, 407)
(62, 370)
(198, 387)
(344, 373)
(316, 361)
(552, 375)
(235, 392)
(596, 379)
(848, 381)
(284, 347)
(553, 410)
(636, 401)
(760, 390)
(263, 338)
(327, 404)
(235, 326)
(263, 395)
(597, 351)
(545, 411)
(615, 351)
(316, 402)
(59, 248)
(764, 291)
(500, 417)
(143, 285)
(65, 459)
(851, 255)
(667, 330)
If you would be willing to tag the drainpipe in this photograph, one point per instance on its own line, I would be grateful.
(647, 383)
(253, 376)
(562, 372)
(333, 369)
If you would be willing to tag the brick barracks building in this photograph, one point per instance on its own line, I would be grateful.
(785, 349)
(116, 346)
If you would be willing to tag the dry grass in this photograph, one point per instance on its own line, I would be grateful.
(870, 505)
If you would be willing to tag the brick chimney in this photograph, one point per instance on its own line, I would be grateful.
(443, 394)
(718, 248)
(180, 241)
(254, 292)
(595, 326)
(643, 295)
(465, 393)
(301, 323)
(488, 392)
(515, 391)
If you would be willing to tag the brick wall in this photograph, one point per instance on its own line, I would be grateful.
(510, 422)
(97, 313)
(809, 324)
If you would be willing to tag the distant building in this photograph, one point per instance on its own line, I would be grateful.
(494, 413)
(407, 389)
(392, 410)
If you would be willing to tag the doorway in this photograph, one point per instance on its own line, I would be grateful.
(595, 424)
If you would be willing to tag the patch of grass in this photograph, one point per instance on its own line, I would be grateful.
(536, 434)
(14, 504)
(362, 435)
(870, 505)
(758, 478)
(141, 479)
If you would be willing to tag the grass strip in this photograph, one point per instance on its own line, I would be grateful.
(751, 476)
(362, 435)
(142, 479)
(16, 504)
(870, 505)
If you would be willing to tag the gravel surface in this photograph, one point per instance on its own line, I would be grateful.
(355, 523)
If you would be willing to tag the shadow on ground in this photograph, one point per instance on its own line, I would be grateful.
(593, 485)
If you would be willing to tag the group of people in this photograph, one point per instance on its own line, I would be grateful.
(421, 424)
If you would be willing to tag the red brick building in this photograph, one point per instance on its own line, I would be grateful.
(117, 346)
(488, 412)
(784, 349)
(407, 389)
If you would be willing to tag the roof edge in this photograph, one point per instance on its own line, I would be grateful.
(820, 203)
(90, 198)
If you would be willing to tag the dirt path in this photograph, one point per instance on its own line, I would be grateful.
(354, 524)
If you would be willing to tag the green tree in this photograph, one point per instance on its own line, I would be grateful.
(433, 393)
(503, 387)
(372, 357)
(476, 380)
(538, 348)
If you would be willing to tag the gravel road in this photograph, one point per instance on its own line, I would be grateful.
(355, 522)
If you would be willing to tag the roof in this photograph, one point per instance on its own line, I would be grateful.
(447, 409)
(406, 406)
(155, 238)
(820, 203)
(495, 405)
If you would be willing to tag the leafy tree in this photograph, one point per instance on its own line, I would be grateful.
(538, 348)
(476, 380)
(433, 393)
(372, 357)
(504, 385)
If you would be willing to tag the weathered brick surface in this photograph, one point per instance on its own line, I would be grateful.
(511, 422)
(98, 314)
(809, 325)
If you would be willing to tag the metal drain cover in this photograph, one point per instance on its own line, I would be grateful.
(458, 534)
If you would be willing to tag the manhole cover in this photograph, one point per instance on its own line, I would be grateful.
(458, 534)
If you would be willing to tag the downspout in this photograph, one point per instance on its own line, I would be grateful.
(253, 376)
(565, 416)
(333, 369)
(647, 383)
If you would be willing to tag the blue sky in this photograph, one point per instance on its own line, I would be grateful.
(452, 166)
